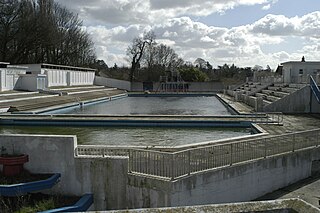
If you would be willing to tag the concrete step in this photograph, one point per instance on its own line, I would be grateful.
(272, 98)
(75, 88)
(256, 83)
(267, 97)
(275, 93)
(280, 85)
(259, 94)
(289, 89)
(297, 86)
(60, 100)
(274, 88)
(266, 102)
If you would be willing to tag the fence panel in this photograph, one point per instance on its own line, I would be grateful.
(178, 164)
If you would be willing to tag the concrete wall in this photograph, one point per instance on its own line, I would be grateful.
(56, 77)
(106, 177)
(138, 86)
(297, 102)
(315, 105)
(193, 86)
(33, 68)
(31, 82)
(9, 77)
(68, 78)
(206, 86)
(113, 188)
(242, 182)
(110, 82)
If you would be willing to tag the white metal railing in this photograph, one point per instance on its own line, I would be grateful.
(178, 164)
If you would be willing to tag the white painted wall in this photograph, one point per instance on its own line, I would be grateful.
(9, 77)
(291, 71)
(31, 82)
(77, 78)
(105, 177)
(33, 68)
(68, 78)
(110, 82)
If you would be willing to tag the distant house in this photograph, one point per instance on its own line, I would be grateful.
(298, 71)
(9, 76)
(41, 76)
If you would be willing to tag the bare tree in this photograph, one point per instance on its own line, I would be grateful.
(9, 15)
(137, 49)
(42, 31)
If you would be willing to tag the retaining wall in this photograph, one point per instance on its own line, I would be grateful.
(110, 82)
(105, 177)
(242, 182)
(113, 188)
(297, 102)
(138, 86)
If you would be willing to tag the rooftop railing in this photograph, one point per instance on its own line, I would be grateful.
(183, 163)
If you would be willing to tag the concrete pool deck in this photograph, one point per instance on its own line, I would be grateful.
(307, 189)
(26, 101)
(291, 123)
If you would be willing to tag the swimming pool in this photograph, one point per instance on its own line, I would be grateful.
(132, 136)
(166, 121)
(198, 105)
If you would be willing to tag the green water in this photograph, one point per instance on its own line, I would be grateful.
(132, 136)
(201, 105)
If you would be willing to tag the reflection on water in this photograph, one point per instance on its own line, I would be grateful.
(156, 106)
(132, 136)
(141, 136)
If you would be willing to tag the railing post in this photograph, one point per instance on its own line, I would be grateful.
(231, 154)
(76, 151)
(265, 148)
(130, 162)
(172, 166)
(189, 162)
(293, 142)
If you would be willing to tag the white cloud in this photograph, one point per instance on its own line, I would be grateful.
(239, 45)
(266, 7)
(126, 12)
(114, 23)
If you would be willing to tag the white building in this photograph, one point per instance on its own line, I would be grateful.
(60, 75)
(33, 77)
(9, 76)
(299, 71)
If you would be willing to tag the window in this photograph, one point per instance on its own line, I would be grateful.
(301, 71)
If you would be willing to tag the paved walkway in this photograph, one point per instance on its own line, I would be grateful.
(307, 189)
(291, 123)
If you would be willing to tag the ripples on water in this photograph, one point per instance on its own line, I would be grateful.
(155, 106)
(131, 135)
(142, 136)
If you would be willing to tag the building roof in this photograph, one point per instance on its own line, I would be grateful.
(299, 62)
(56, 66)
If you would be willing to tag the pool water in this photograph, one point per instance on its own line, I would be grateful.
(200, 105)
(132, 136)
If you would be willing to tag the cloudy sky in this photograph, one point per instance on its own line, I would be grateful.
(243, 32)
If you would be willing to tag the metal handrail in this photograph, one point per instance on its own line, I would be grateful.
(315, 89)
(183, 163)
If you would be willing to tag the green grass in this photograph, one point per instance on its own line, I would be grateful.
(38, 206)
